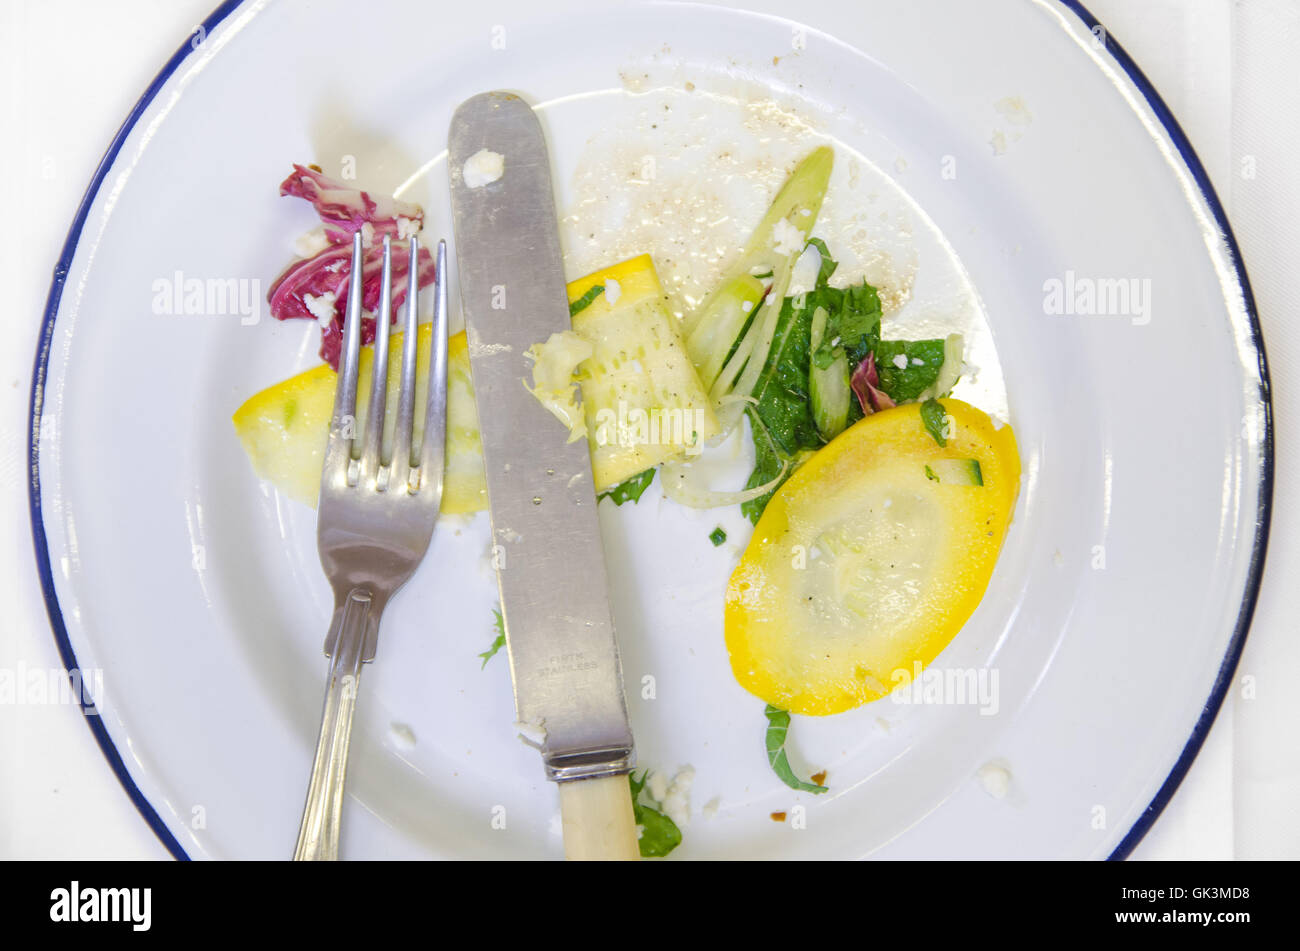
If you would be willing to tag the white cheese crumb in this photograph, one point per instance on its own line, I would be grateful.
(677, 804)
(322, 307)
(995, 779)
(406, 227)
(310, 244)
(532, 733)
(483, 168)
(403, 736)
(900, 361)
(917, 362)
(367, 234)
(787, 238)
(746, 306)
(803, 278)
(673, 796)
(805, 212)
(612, 292)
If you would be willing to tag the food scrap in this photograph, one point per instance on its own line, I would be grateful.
(316, 288)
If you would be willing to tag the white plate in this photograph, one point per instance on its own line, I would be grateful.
(1019, 147)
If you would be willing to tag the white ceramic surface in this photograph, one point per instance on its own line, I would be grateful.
(1024, 156)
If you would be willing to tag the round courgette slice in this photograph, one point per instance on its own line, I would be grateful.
(865, 563)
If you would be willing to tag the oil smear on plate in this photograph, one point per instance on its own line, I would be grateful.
(683, 168)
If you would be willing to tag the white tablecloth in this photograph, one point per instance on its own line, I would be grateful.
(1228, 71)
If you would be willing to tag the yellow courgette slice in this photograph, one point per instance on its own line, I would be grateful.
(642, 399)
(864, 564)
(284, 428)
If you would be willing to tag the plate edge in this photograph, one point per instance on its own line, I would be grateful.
(36, 405)
(1254, 576)
(1167, 121)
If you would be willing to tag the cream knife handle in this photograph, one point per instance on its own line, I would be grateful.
(598, 823)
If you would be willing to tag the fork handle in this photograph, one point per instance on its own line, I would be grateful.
(318, 837)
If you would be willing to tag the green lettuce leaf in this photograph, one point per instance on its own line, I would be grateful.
(782, 422)
(778, 726)
(933, 417)
(659, 834)
(498, 642)
(630, 490)
(906, 383)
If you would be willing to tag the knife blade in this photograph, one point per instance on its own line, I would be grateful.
(560, 639)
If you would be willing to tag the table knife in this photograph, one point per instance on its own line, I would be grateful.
(564, 659)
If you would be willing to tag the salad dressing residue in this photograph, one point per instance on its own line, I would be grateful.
(684, 171)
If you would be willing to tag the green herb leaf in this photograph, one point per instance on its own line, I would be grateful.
(782, 388)
(583, 302)
(769, 458)
(828, 264)
(782, 421)
(498, 642)
(778, 725)
(929, 474)
(630, 490)
(935, 417)
(855, 320)
(906, 383)
(717, 536)
(829, 385)
(659, 834)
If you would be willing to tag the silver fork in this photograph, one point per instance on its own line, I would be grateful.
(375, 518)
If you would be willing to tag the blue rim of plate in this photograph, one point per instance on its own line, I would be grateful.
(1255, 575)
(1167, 121)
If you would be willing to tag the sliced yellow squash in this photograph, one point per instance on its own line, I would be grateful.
(284, 428)
(642, 399)
(870, 558)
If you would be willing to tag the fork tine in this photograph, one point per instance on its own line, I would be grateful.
(338, 453)
(373, 442)
(402, 434)
(435, 422)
